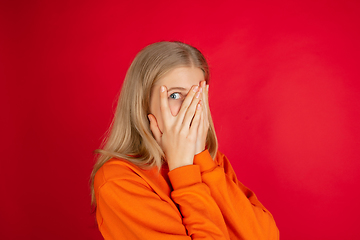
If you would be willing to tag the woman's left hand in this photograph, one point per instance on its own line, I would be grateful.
(204, 121)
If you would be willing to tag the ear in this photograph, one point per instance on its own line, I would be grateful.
(154, 127)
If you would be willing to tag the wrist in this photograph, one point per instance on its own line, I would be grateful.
(177, 163)
(174, 166)
(200, 151)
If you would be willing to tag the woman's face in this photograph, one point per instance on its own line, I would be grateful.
(178, 83)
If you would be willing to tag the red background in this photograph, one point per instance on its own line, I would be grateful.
(284, 95)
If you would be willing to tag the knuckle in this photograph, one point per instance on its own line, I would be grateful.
(182, 133)
(191, 138)
(168, 128)
(176, 130)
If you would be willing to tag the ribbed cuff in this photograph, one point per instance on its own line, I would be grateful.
(204, 161)
(185, 176)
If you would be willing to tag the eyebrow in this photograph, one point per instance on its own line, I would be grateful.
(178, 88)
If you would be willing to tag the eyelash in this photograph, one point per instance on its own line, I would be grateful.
(175, 98)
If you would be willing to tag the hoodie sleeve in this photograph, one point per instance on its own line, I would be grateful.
(244, 215)
(127, 208)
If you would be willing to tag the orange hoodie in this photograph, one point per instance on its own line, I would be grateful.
(200, 201)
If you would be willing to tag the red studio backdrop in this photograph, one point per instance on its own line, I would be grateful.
(284, 95)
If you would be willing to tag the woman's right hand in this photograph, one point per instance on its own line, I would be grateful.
(178, 138)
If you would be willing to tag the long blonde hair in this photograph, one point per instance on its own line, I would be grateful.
(129, 136)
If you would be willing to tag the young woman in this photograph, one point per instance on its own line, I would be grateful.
(159, 174)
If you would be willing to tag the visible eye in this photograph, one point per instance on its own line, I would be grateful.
(175, 96)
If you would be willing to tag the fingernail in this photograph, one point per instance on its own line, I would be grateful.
(198, 93)
(200, 90)
(199, 105)
(162, 89)
(195, 88)
(207, 87)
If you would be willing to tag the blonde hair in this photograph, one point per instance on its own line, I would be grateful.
(129, 136)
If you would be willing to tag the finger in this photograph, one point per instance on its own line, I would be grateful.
(206, 106)
(154, 127)
(164, 104)
(201, 135)
(205, 97)
(201, 124)
(189, 115)
(187, 101)
(196, 120)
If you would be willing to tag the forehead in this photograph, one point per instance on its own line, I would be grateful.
(184, 77)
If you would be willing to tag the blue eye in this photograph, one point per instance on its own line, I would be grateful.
(175, 96)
